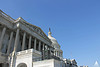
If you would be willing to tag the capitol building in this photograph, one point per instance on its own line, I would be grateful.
(25, 45)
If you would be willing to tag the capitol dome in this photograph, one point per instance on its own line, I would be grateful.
(53, 40)
(57, 51)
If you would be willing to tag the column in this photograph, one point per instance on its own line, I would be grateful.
(60, 54)
(47, 52)
(30, 38)
(56, 53)
(50, 52)
(24, 38)
(16, 40)
(13, 55)
(35, 44)
(2, 36)
(43, 49)
(10, 41)
(39, 45)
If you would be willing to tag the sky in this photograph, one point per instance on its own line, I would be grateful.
(74, 23)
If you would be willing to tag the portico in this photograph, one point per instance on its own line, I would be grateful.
(41, 45)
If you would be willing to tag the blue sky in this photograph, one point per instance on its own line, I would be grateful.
(74, 23)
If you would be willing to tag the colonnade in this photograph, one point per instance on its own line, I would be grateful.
(41, 46)
(58, 53)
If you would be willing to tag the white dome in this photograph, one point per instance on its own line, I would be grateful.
(54, 41)
(57, 51)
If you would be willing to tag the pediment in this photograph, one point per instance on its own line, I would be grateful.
(36, 29)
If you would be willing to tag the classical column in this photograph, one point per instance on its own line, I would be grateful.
(13, 55)
(43, 49)
(2, 36)
(30, 38)
(61, 54)
(16, 40)
(24, 38)
(50, 52)
(56, 53)
(39, 45)
(10, 41)
(35, 44)
(47, 52)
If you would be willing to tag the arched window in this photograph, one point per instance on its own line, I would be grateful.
(22, 65)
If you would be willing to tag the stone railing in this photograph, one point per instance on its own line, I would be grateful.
(6, 16)
(37, 59)
(55, 57)
(25, 52)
